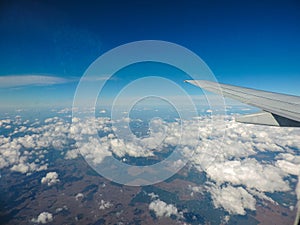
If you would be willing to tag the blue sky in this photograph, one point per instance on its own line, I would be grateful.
(248, 43)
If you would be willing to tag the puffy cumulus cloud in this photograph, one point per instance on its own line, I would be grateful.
(289, 167)
(153, 195)
(93, 150)
(248, 172)
(123, 147)
(9, 152)
(196, 189)
(228, 152)
(97, 148)
(43, 218)
(72, 154)
(54, 133)
(25, 167)
(105, 205)
(79, 196)
(89, 126)
(88, 144)
(289, 157)
(230, 155)
(58, 134)
(162, 209)
(119, 139)
(25, 148)
(225, 219)
(11, 155)
(50, 179)
(289, 163)
(233, 199)
(5, 122)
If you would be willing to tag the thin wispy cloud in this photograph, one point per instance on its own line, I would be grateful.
(11, 81)
(30, 80)
(94, 78)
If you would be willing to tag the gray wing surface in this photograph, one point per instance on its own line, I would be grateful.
(278, 109)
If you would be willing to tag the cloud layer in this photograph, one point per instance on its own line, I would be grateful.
(28, 80)
(243, 164)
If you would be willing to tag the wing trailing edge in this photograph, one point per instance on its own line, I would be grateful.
(269, 119)
(278, 109)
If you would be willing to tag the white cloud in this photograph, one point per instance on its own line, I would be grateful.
(57, 210)
(248, 172)
(261, 195)
(79, 196)
(225, 219)
(43, 218)
(105, 205)
(9, 152)
(94, 78)
(289, 167)
(197, 189)
(72, 154)
(228, 152)
(27, 80)
(30, 141)
(65, 110)
(22, 168)
(50, 179)
(234, 200)
(162, 209)
(93, 150)
(153, 195)
(230, 156)
(289, 163)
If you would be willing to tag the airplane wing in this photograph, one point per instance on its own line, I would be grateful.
(278, 109)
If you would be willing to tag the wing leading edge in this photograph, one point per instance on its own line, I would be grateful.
(278, 109)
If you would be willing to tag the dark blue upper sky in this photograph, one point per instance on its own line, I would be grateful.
(248, 43)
